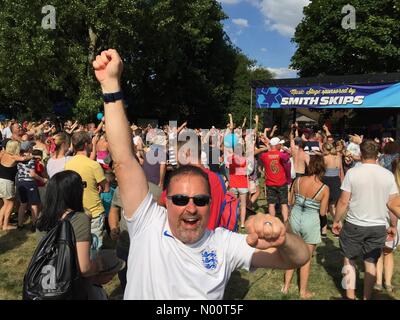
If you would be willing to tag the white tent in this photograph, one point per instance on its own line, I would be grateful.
(305, 119)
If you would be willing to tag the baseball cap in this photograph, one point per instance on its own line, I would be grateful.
(275, 141)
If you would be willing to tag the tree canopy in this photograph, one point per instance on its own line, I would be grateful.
(326, 48)
(179, 63)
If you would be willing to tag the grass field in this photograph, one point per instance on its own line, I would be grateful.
(16, 249)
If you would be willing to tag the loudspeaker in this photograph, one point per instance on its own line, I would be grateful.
(268, 119)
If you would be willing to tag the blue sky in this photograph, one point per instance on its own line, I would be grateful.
(263, 30)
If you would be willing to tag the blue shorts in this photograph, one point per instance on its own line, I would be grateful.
(28, 192)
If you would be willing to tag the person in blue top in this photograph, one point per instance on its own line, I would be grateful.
(106, 197)
(309, 199)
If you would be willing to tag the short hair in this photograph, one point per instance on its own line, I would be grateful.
(13, 147)
(79, 139)
(316, 166)
(369, 149)
(37, 153)
(188, 170)
(391, 148)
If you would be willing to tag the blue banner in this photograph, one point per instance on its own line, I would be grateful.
(332, 96)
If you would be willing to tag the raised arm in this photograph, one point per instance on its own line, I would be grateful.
(100, 126)
(256, 121)
(230, 122)
(274, 129)
(183, 125)
(131, 179)
(244, 122)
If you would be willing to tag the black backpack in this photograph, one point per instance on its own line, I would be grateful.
(53, 273)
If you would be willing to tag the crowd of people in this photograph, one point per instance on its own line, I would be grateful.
(158, 193)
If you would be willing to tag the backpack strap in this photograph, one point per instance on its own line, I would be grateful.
(69, 216)
(318, 192)
(222, 182)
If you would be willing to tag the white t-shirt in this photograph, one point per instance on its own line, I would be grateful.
(161, 267)
(56, 165)
(370, 186)
(6, 133)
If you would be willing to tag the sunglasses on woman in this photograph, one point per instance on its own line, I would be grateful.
(182, 200)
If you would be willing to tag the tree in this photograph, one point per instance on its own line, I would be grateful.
(246, 72)
(325, 48)
(178, 60)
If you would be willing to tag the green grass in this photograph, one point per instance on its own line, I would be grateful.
(16, 249)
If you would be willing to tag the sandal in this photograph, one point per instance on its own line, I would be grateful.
(378, 287)
(389, 288)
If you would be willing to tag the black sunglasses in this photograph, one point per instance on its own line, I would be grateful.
(182, 200)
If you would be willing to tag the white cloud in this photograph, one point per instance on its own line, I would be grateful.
(283, 73)
(283, 15)
(243, 23)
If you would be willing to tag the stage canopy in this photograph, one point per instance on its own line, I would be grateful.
(354, 91)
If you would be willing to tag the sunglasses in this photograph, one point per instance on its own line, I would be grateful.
(182, 200)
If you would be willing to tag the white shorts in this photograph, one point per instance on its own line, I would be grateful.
(7, 189)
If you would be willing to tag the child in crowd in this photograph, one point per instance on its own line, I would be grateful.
(106, 197)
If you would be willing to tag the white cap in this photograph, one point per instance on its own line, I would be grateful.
(275, 141)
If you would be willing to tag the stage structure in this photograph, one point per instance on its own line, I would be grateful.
(331, 92)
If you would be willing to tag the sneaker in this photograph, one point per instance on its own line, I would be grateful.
(324, 235)
(33, 228)
(20, 227)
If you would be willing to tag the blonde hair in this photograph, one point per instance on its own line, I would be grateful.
(13, 147)
(329, 148)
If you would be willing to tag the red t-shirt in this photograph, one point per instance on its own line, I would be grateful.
(39, 170)
(217, 197)
(275, 175)
(237, 172)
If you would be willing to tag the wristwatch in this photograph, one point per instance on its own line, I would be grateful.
(112, 97)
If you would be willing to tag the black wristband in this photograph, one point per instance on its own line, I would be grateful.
(112, 97)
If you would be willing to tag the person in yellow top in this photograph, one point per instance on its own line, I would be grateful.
(94, 182)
